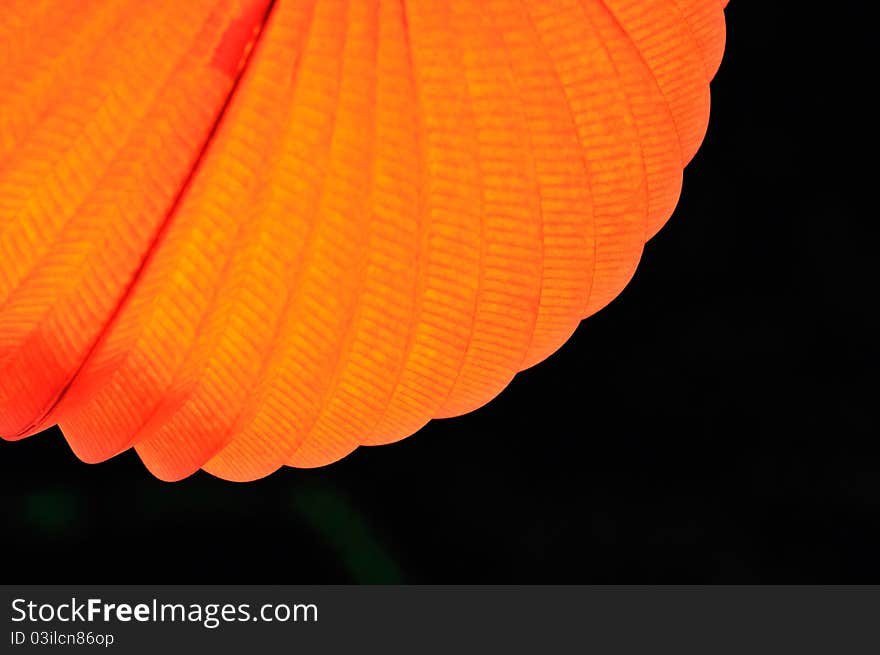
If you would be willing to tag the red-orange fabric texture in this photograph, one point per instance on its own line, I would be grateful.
(239, 234)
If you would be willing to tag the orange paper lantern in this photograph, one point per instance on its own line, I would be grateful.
(237, 234)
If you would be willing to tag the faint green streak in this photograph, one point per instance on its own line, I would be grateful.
(347, 532)
(50, 512)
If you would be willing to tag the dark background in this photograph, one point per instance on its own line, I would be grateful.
(715, 423)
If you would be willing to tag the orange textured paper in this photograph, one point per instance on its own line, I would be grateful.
(239, 234)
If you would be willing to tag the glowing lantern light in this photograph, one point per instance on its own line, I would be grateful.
(237, 234)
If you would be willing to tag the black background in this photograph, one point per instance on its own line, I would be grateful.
(715, 423)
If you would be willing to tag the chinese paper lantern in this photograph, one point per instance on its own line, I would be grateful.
(238, 234)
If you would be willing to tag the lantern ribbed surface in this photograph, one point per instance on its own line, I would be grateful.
(239, 234)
